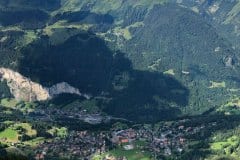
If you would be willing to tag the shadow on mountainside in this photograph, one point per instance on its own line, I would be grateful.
(85, 62)
(99, 22)
(27, 14)
(85, 17)
(48, 5)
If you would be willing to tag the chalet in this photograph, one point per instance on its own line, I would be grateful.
(182, 140)
(189, 129)
(167, 151)
(131, 133)
(109, 157)
(39, 157)
(123, 140)
(181, 127)
(128, 147)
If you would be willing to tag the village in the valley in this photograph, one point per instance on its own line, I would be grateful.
(120, 140)
(165, 140)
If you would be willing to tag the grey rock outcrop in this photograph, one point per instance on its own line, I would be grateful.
(23, 88)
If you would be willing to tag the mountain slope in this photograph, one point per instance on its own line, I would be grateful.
(184, 43)
(147, 60)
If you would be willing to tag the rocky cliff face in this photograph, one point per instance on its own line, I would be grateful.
(64, 87)
(23, 88)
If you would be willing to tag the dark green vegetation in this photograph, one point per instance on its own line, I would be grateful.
(48, 5)
(26, 14)
(33, 17)
(186, 43)
(4, 90)
(99, 70)
(220, 141)
(160, 60)
(145, 60)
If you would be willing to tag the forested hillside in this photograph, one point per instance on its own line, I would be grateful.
(136, 55)
(119, 79)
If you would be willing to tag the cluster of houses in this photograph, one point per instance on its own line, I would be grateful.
(40, 155)
(110, 157)
(165, 139)
(165, 142)
(76, 144)
(169, 139)
(162, 140)
(124, 136)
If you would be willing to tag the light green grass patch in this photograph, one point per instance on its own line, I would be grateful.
(136, 25)
(217, 85)
(49, 30)
(60, 31)
(104, 6)
(60, 132)
(233, 102)
(232, 141)
(98, 157)
(29, 131)
(8, 103)
(9, 112)
(10, 134)
(125, 32)
(233, 90)
(233, 13)
(8, 122)
(10, 28)
(29, 37)
(195, 9)
(149, 3)
(134, 154)
(169, 72)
